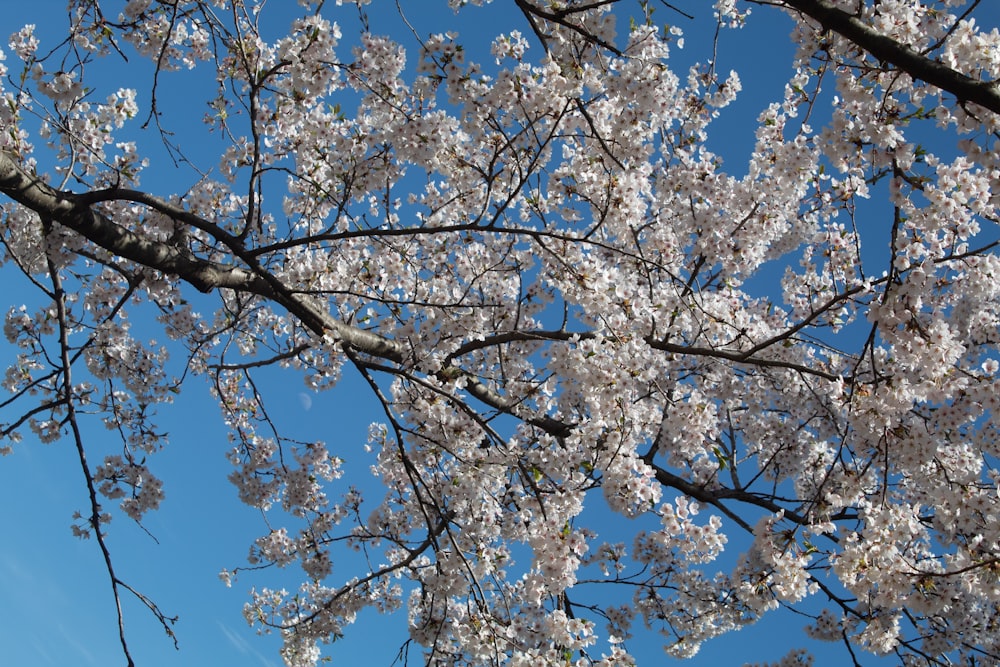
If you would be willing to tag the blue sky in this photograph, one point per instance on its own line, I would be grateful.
(55, 602)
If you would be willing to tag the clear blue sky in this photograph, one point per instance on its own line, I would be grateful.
(55, 602)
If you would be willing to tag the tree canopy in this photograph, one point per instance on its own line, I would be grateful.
(561, 299)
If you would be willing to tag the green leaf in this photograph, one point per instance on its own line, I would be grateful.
(720, 457)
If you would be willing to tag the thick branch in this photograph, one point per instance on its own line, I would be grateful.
(918, 66)
(64, 208)
(76, 212)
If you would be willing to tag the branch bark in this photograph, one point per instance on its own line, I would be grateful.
(917, 65)
(66, 209)
(77, 212)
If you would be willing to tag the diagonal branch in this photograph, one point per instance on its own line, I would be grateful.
(917, 65)
(66, 209)
(76, 212)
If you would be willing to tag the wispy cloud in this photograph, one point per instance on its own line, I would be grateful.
(41, 647)
(243, 646)
(23, 586)
(60, 642)
(71, 637)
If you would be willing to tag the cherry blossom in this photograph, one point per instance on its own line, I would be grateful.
(567, 295)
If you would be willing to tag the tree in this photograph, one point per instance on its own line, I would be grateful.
(547, 280)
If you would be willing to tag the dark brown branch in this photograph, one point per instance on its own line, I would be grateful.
(66, 209)
(77, 213)
(918, 66)
(71, 418)
(559, 16)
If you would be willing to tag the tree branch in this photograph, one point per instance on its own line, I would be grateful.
(67, 209)
(918, 66)
(75, 212)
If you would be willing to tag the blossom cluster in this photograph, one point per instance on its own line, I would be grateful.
(567, 299)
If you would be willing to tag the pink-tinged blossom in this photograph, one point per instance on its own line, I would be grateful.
(566, 296)
(24, 43)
